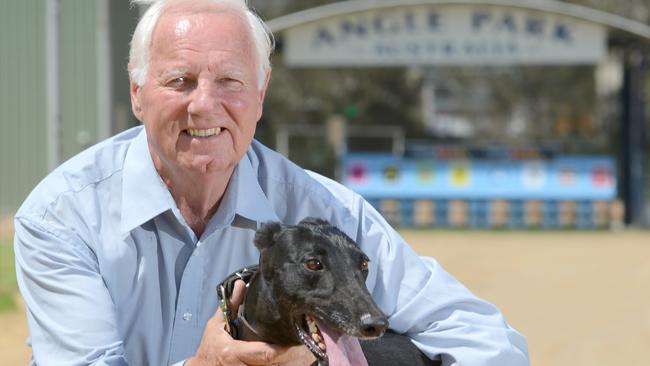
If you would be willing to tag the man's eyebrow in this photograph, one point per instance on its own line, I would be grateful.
(172, 72)
(234, 72)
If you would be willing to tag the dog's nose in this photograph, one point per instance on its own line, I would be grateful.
(373, 326)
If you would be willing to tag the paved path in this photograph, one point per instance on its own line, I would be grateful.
(13, 333)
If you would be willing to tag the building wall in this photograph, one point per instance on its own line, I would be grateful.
(23, 133)
(78, 54)
(24, 140)
(123, 20)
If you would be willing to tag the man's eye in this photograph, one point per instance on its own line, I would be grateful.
(180, 83)
(233, 84)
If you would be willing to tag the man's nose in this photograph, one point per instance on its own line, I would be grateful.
(204, 99)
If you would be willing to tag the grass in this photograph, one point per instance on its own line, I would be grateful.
(8, 287)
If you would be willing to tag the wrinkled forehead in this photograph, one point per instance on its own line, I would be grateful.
(178, 18)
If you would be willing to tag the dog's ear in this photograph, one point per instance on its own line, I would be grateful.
(313, 221)
(267, 234)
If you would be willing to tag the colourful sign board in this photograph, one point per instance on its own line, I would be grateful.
(562, 177)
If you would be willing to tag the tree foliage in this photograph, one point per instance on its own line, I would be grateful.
(558, 104)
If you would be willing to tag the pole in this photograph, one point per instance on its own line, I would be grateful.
(633, 137)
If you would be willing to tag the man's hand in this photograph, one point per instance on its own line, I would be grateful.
(218, 348)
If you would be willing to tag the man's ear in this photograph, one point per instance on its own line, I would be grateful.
(266, 236)
(262, 93)
(136, 105)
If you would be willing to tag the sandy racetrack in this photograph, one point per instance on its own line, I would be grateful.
(581, 298)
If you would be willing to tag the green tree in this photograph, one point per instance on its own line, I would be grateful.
(558, 103)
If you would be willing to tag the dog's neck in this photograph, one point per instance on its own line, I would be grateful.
(262, 314)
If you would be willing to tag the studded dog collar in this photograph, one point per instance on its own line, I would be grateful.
(237, 326)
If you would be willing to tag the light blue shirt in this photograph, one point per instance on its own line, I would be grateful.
(112, 275)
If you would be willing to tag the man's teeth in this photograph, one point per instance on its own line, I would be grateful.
(203, 132)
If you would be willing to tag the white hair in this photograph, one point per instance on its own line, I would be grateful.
(141, 40)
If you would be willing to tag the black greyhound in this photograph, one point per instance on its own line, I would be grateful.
(310, 288)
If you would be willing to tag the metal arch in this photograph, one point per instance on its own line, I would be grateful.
(549, 6)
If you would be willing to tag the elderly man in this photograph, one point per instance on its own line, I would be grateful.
(119, 249)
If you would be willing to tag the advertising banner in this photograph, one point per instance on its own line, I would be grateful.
(561, 178)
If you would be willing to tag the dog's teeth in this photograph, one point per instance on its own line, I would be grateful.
(321, 345)
(316, 337)
(311, 323)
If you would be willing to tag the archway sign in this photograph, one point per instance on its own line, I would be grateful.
(434, 32)
(364, 33)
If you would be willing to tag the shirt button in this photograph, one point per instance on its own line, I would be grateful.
(187, 316)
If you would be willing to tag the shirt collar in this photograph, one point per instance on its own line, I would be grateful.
(145, 196)
(250, 200)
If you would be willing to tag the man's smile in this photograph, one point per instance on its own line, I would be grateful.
(207, 132)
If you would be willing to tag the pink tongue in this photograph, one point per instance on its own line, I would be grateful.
(342, 350)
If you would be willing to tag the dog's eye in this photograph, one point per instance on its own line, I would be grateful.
(364, 265)
(313, 264)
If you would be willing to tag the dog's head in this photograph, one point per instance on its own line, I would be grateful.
(317, 275)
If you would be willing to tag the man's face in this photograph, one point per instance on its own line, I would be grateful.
(201, 99)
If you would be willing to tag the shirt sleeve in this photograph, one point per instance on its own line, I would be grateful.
(70, 313)
(442, 317)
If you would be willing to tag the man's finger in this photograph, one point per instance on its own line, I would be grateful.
(294, 356)
(257, 353)
(237, 297)
(260, 353)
